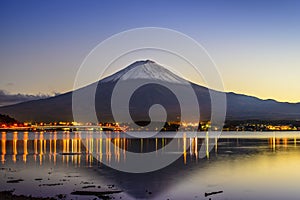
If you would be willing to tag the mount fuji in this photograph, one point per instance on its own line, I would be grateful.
(239, 107)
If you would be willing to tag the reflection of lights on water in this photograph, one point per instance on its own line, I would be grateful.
(25, 151)
(124, 148)
(41, 141)
(196, 148)
(184, 148)
(274, 142)
(117, 149)
(54, 147)
(207, 145)
(35, 147)
(285, 142)
(15, 151)
(3, 149)
(191, 146)
(45, 149)
(107, 149)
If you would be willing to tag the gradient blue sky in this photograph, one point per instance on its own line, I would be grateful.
(255, 44)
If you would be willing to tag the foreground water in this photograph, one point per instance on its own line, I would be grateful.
(242, 165)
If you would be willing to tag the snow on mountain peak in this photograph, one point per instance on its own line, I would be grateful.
(146, 69)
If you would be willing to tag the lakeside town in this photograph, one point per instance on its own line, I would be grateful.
(10, 124)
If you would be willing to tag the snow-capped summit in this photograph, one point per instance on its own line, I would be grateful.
(146, 69)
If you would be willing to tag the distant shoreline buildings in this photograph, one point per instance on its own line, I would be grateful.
(248, 125)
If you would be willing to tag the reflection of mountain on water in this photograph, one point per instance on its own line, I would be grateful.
(151, 184)
(147, 185)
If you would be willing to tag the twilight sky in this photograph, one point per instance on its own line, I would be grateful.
(255, 44)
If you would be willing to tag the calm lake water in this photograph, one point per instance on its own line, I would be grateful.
(244, 165)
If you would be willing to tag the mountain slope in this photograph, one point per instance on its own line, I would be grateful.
(59, 108)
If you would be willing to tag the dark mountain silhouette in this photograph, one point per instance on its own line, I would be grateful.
(5, 119)
(239, 107)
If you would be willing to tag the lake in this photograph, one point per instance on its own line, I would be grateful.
(239, 165)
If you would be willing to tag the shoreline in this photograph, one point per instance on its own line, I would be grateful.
(10, 196)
